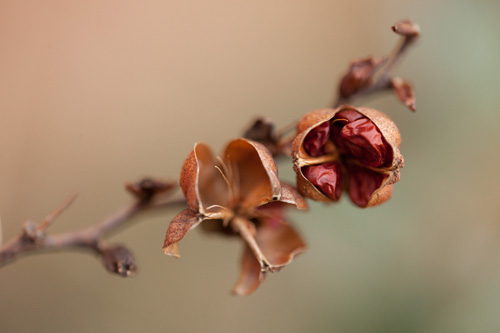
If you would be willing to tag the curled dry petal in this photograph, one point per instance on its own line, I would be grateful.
(279, 244)
(405, 92)
(251, 275)
(178, 228)
(257, 174)
(202, 183)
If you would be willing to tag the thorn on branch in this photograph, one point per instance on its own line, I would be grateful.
(49, 219)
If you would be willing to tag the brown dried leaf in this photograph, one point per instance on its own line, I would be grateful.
(406, 28)
(404, 91)
(178, 228)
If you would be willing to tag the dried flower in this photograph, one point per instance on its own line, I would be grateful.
(242, 195)
(349, 148)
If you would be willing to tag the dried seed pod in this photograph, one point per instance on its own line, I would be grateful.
(239, 193)
(349, 148)
(360, 75)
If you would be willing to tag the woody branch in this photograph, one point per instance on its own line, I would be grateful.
(118, 259)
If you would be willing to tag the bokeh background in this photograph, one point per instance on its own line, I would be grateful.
(97, 93)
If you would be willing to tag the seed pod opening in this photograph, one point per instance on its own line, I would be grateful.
(349, 148)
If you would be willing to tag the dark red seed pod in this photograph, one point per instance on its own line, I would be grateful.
(360, 154)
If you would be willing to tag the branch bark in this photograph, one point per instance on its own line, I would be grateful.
(117, 259)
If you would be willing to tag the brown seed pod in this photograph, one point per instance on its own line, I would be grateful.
(350, 148)
(239, 193)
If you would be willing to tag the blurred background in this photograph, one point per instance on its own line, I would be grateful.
(97, 93)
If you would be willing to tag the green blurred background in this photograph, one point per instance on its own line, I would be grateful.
(97, 93)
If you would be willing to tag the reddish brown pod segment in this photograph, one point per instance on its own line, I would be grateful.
(348, 148)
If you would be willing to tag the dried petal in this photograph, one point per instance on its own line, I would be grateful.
(359, 75)
(201, 181)
(119, 260)
(251, 275)
(327, 176)
(178, 228)
(406, 28)
(256, 173)
(278, 242)
(404, 91)
(290, 195)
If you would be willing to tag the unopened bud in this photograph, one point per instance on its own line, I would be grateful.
(119, 260)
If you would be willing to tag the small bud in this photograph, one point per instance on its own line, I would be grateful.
(148, 187)
(119, 260)
(359, 75)
(406, 28)
(262, 131)
(404, 91)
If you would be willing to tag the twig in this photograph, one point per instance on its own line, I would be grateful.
(33, 238)
(383, 81)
